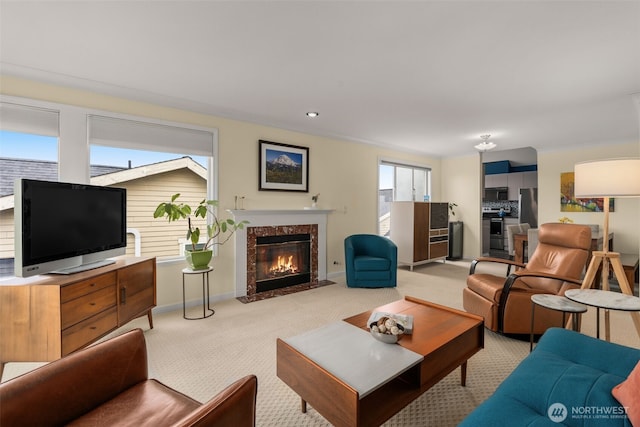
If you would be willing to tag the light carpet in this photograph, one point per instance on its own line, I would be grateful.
(201, 357)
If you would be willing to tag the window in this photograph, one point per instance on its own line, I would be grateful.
(28, 149)
(152, 161)
(399, 182)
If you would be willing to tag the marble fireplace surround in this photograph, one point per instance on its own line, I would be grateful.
(288, 221)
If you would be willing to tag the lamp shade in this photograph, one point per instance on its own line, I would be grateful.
(608, 178)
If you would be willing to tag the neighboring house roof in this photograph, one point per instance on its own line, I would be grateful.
(37, 169)
(100, 175)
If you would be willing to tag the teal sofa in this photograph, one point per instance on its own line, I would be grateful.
(371, 261)
(566, 381)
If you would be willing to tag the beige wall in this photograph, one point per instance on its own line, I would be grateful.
(624, 222)
(344, 173)
(461, 184)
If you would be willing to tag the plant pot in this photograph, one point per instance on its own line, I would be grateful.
(198, 260)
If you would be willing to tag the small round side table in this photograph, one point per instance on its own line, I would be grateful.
(607, 300)
(557, 303)
(207, 311)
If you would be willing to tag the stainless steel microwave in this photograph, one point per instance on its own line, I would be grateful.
(493, 194)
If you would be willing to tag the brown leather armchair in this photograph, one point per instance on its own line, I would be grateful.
(555, 266)
(107, 385)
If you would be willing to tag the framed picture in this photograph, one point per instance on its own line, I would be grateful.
(570, 203)
(283, 167)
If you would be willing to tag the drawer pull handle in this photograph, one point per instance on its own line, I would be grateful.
(92, 303)
(93, 284)
(93, 327)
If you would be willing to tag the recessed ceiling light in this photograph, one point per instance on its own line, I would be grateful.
(313, 114)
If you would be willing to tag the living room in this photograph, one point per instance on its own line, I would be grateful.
(343, 171)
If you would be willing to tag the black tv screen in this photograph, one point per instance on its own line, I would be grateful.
(61, 225)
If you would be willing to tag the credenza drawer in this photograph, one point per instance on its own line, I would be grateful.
(75, 290)
(83, 333)
(84, 307)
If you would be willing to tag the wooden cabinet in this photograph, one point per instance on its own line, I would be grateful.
(45, 318)
(420, 230)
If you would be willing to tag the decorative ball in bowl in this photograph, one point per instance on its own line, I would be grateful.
(387, 330)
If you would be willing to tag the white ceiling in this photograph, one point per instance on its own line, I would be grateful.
(426, 76)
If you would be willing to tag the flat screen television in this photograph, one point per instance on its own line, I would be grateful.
(65, 228)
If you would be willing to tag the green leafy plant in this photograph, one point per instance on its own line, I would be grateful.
(452, 207)
(174, 211)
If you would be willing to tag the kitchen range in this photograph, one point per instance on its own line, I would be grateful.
(496, 225)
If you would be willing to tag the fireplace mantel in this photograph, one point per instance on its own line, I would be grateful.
(277, 217)
(242, 214)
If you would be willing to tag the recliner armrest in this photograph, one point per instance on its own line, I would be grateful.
(508, 284)
(507, 262)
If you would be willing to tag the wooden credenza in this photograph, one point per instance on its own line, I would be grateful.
(49, 317)
(420, 230)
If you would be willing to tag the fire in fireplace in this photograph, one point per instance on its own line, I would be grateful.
(282, 261)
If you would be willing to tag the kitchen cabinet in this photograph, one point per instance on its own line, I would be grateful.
(420, 230)
(496, 180)
(50, 317)
(515, 182)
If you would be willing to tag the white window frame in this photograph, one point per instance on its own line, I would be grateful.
(398, 162)
(74, 145)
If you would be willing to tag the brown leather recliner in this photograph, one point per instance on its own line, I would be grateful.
(554, 267)
(107, 385)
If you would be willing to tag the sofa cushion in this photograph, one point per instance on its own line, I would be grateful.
(371, 263)
(569, 375)
(628, 394)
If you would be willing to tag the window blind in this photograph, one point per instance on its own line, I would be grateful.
(25, 119)
(123, 133)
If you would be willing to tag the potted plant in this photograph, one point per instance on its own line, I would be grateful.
(199, 256)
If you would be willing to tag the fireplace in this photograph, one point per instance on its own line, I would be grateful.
(259, 273)
(282, 261)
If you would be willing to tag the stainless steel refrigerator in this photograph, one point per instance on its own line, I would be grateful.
(528, 206)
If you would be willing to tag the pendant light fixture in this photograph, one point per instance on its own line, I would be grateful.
(485, 145)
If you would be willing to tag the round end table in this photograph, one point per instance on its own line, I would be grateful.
(557, 303)
(207, 311)
(607, 300)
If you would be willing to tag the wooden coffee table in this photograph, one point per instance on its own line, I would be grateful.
(353, 380)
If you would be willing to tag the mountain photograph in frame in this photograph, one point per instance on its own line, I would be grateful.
(283, 167)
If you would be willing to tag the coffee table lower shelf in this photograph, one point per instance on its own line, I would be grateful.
(453, 337)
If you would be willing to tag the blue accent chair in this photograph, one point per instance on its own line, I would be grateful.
(371, 261)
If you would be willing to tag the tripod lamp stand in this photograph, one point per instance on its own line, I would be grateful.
(605, 179)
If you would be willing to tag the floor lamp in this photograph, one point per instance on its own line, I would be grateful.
(605, 179)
